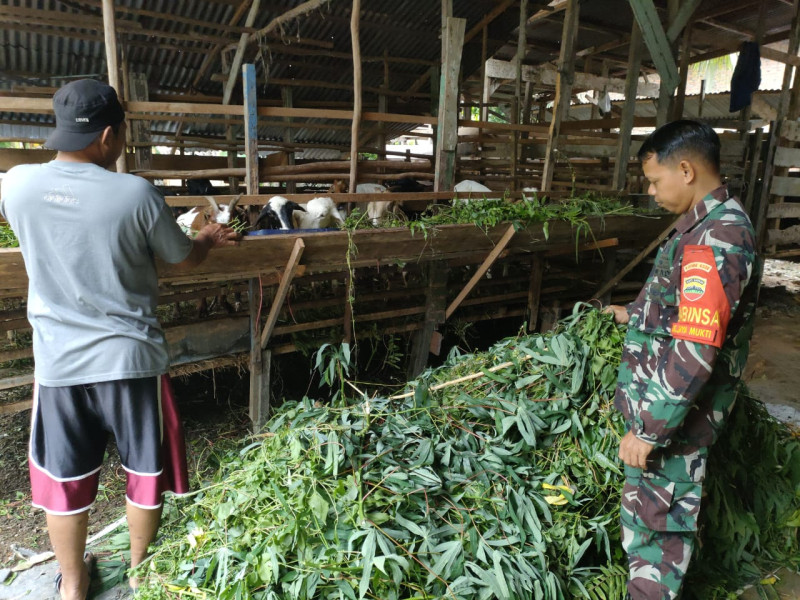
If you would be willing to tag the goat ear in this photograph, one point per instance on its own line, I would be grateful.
(234, 202)
(213, 203)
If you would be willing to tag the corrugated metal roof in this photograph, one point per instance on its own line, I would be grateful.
(46, 42)
(34, 53)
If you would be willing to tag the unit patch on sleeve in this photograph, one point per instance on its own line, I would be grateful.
(704, 309)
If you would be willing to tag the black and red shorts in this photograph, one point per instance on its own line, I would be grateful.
(69, 433)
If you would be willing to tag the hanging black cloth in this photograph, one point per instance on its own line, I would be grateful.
(746, 76)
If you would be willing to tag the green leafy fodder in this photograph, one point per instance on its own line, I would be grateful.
(505, 485)
(7, 237)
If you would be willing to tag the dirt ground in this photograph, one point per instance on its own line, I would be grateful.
(214, 410)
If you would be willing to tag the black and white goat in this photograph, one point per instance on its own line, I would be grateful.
(282, 213)
(277, 214)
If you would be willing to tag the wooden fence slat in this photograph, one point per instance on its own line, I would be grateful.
(283, 290)
(784, 210)
(777, 237)
(787, 157)
(785, 186)
(791, 130)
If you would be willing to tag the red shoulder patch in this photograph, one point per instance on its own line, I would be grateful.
(704, 309)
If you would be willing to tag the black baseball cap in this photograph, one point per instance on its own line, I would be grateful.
(83, 109)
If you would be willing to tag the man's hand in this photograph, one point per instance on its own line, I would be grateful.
(219, 235)
(620, 313)
(633, 451)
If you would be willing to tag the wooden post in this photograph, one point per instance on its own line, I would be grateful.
(288, 136)
(447, 134)
(436, 297)
(260, 360)
(701, 99)
(140, 129)
(566, 75)
(251, 127)
(238, 58)
(110, 37)
(354, 38)
(628, 109)
(522, 46)
(230, 137)
(535, 291)
(484, 112)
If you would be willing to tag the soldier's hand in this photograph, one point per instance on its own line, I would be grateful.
(620, 313)
(633, 451)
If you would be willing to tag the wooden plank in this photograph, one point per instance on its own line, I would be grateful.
(20, 353)
(657, 42)
(778, 237)
(785, 210)
(447, 130)
(481, 271)
(548, 76)
(15, 407)
(561, 103)
(283, 290)
(790, 130)
(238, 57)
(787, 157)
(785, 186)
(17, 381)
(435, 302)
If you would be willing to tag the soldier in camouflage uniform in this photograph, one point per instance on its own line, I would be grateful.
(687, 343)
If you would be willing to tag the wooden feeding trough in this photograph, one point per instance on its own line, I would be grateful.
(401, 281)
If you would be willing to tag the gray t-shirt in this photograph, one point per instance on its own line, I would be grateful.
(88, 237)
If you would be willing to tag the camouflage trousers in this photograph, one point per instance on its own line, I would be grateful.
(660, 506)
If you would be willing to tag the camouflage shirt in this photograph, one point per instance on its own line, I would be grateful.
(675, 392)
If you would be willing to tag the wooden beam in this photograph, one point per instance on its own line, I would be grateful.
(628, 109)
(238, 58)
(285, 17)
(357, 92)
(435, 301)
(682, 19)
(657, 42)
(447, 131)
(484, 22)
(481, 271)
(283, 290)
(561, 104)
(783, 57)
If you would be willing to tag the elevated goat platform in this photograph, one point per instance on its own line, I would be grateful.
(301, 289)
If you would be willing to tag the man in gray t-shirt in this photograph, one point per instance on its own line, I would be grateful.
(89, 238)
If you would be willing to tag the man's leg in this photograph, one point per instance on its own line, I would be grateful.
(143, 525)
(68, 538)
(657, 560)
(659, 523)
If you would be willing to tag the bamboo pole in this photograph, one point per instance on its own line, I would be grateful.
(357, 107)
(110, 38)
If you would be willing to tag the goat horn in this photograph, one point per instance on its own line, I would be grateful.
(234, 202)
(213, 203)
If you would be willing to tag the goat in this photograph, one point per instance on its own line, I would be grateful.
(318, 213)
(602, 102)
(278, 214)
(467, 187)
(199, 187)
(225, 214)
(408, 185)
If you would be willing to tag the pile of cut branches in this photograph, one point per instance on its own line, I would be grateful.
(494, 476)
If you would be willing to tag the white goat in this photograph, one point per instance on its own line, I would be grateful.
(319, 213)
(469, 189)
(377, 209)
(223, 214)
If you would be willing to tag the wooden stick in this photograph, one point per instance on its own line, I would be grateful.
(283, 290)
(481, 271)
(639, 257)
(357, 93)
(453, 382)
